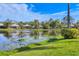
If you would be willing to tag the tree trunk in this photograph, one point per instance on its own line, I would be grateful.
(68, 16)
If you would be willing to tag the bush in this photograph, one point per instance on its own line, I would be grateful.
(70, 33)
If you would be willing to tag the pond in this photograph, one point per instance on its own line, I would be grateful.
(21, 38)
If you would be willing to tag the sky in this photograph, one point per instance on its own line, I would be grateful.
(41, 11)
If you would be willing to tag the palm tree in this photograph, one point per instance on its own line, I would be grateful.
(77, 24)
(50, 21)
(65, 21)
(55, 23)
(68, 20)
(68, 16)
(45, 25)
(21, 24)
(36, 24)
(7, 23)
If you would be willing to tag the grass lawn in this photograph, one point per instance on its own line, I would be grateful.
(59, 47)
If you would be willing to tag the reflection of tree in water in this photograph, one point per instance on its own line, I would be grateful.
(20, 41)
(21, 34)
(7, 34)
(52, 32)
(55, 32)
(35, 34)
(46, 32)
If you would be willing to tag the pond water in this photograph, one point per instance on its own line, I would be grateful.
(21, 38)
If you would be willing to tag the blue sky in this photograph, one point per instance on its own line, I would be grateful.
(40, 11)
(49, 8)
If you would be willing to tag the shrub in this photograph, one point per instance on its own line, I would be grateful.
(70, 33)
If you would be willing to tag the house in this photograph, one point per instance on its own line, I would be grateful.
(40, 26)
(72, 26)
(76, 26)
(2, 25)
(27, 26)
(14, 26)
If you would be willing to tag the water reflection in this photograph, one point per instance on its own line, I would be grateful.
(45, 33)
(35, 34)
(7, 34)
(21, 34)
(11, 40)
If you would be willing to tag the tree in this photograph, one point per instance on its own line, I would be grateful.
(77, 22)
(65, 21)
(21, 24)
(50, 21)
(76, 25)
(36, 24)
(7, 23)
(45, 25)
(55, 23)
(68, 16)
(68, 20)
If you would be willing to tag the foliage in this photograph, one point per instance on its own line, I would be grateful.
(65, 19)
(21, 24)
(55, 24)
(36, 24)
(7, 23)
(46, 25)
(70, 33)
(77, 24)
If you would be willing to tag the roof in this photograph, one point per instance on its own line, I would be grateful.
(14, 25)
(1, 24)
(27, 25)
(72, 25)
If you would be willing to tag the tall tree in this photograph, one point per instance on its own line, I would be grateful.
(36, 24)
(77, 24)
(21, 24)
(68, 16)
(7, 23)
(68, 20)
(50, 21)
(45, 25)
(55, 23)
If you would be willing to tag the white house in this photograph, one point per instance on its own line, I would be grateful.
(2, 25)
(27, 26)
(14, 26)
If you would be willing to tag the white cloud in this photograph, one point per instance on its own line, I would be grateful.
(12, 11)
(20, 12)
